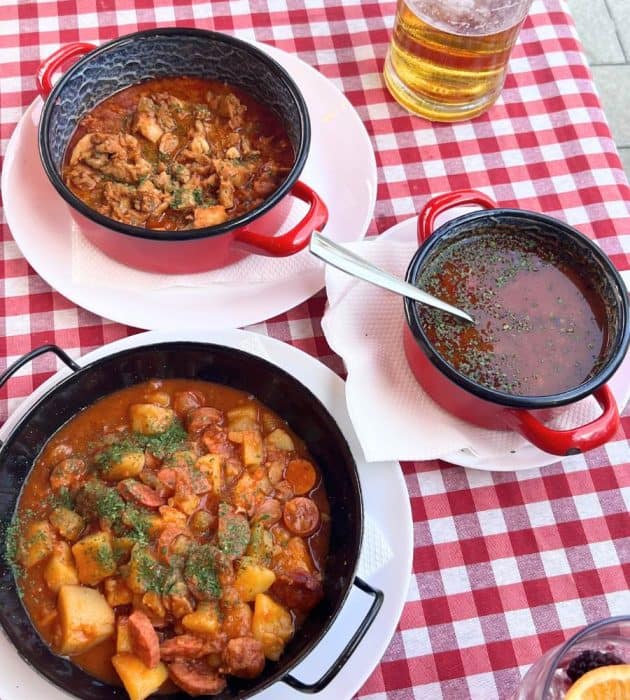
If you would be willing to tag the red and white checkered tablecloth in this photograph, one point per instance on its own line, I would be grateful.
(505, 565)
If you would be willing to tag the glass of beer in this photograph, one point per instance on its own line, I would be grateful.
(448, 58)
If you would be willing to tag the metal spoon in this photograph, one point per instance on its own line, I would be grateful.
(341, 258)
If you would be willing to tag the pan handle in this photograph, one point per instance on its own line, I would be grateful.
(350, 646)
(10, 371)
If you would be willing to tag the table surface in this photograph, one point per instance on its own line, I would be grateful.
(506, 565)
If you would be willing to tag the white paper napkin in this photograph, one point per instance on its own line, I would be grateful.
(90, 266)
(393, 416)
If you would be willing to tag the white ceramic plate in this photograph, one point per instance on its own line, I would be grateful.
(341, 167)
(527, 457)
(385, 561)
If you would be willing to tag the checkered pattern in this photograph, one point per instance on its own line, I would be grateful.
(505, 565)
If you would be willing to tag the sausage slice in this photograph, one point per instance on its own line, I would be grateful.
(243, 657)
(132, 490)
(196, 678)
(144, 639)
(187, 646)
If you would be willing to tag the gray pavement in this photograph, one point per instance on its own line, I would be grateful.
(604, 29)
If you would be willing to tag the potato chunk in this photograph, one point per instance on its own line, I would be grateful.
(149, 419)
(123, 639)
(128, 465)
(280, 439)
(68, 523)
(60, 569)
(36, 543)
(252, 448)
(204, 621)
(94, 558)
(253, 579)
(85, 619)
(116, 592)
(139, 680)
(243, 418)
(272, 626)
(212, 466)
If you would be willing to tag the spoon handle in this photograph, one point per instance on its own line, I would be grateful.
(345, 260)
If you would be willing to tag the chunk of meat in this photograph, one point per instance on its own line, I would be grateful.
(83, 178)
(145, 120)
(116, 155)
(188, 646)
(301, 516)
(200, 418)
(150, 200)
(185, 401)
(165, 542)
(175, 479)
(196, 678)
(144, 639)
(67, 473)
(298, 590)
(215, 440)
(243, 657)
(209, 216)
(268, 513)
(132, 490)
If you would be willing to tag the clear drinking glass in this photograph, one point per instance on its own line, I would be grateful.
(448, 58)
(547, 679)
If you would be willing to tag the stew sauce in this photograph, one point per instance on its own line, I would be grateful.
(170, 535)
(177, 153)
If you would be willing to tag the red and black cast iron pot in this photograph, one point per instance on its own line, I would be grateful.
(193, 360)
(497, 410)
(172, 52)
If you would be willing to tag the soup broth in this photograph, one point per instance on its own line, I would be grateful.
(539, 322)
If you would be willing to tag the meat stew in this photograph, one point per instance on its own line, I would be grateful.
(177, 153)
(173, 534)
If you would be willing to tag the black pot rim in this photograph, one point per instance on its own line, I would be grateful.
(452, 228)
(82, 374)
(190, 234)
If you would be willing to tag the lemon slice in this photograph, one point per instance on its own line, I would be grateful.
(603, 683)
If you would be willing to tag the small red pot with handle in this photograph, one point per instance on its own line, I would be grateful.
(496, 410)
(170, 52)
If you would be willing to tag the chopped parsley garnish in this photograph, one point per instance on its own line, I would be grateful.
(172, 439)
(140, 523)
(114, 453)
(233, 532)
(151, 574)
(200, 570)
(62, 499)
(96, 498)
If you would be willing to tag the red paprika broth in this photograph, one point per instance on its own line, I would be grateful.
(539, 321)
(177, 153)
(177, 534)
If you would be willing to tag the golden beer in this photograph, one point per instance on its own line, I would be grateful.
(448, 58)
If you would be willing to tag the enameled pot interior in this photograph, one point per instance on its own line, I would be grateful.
(168, 53)
(271, 385)
(588, 258)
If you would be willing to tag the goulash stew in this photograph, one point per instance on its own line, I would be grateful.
(177, 153)
(172, 534)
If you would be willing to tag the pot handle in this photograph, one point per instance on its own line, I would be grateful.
(575, 440)
(10, 371)
(296, 238)
(437, 205)
(367, 621)
(49, 66)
